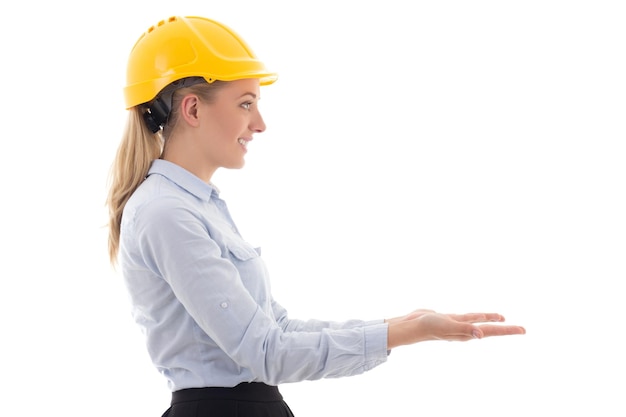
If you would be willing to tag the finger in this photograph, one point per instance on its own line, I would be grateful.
(489, 330)
(478, 317)
(462, 332)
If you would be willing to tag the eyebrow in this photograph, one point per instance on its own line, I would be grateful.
(248, 94)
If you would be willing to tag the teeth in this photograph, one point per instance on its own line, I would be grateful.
(243, 142)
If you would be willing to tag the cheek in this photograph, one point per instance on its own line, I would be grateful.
(227, 126)
(224, 129)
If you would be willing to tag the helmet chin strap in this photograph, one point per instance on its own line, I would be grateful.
(157, 111)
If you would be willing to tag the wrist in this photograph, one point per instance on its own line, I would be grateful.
(399, 333)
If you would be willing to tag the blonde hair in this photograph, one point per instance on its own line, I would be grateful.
(138, 148)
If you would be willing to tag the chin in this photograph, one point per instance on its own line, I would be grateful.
(237, 165)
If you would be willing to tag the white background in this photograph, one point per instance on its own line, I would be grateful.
(454, 155)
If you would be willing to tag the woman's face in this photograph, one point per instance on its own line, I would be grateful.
(229, 122)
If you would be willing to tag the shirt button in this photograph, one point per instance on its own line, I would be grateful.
(224, 305)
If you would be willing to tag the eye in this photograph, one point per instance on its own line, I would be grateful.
(247, 105)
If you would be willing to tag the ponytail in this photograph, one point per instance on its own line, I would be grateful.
(138, 148)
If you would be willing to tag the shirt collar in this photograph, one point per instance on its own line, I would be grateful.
(183, 178)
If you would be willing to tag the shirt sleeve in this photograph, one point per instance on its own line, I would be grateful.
(176, 245)
(314, 325)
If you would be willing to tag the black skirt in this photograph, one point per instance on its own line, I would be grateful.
(245, 400)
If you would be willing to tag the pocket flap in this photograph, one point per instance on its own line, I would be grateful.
(242, 252)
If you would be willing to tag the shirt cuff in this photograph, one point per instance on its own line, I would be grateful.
(376, 351)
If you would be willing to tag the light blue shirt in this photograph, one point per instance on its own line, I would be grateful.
(201, 294)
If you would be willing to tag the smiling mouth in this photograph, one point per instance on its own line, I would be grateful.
(243, 142)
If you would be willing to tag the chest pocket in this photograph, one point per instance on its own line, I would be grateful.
(251, 269)
(241, 251)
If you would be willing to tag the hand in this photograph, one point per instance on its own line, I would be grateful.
(423, 325)
(412, 315)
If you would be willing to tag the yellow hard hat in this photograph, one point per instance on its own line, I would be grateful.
(184, 47)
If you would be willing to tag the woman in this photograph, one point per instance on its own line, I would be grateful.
(200, 292)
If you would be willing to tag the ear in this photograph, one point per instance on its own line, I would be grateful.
(189, 109)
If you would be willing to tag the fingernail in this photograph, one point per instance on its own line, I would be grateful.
(476, 334)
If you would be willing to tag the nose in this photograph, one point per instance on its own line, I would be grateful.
(257, 124)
